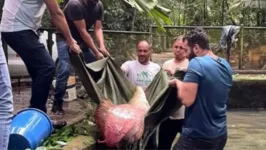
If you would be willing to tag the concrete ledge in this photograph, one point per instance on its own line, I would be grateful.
(248, 94)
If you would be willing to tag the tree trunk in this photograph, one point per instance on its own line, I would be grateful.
(133, 20)
(258, 19)
(264, 18)
(223, 10)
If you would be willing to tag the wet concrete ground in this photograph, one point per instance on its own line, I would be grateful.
(247, 130)
(74, 109)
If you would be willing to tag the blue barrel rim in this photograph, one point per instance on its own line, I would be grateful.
(50, 121)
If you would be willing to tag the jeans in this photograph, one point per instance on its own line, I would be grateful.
(4, 136)
(6, 105)
(38, 61)
(88, 55)
(187, 143)
(64, 70)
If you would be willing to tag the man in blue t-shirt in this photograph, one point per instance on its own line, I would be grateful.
(204, 92)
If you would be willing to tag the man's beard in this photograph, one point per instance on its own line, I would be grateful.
(191, 55)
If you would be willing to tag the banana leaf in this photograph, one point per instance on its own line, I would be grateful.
(104, 79)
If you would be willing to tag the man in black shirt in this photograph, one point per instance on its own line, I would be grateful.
(81, 15)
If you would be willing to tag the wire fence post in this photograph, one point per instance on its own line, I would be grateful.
(241, 45)
(151, 35)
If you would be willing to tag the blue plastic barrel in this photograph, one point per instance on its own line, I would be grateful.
(29, 128)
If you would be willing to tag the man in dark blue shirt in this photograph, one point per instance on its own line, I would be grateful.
(81, 15)
(204, 92)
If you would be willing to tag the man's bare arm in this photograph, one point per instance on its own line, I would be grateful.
(81, 26)
(123, 69)
(99, 33)
(59, 20)
(187, 91)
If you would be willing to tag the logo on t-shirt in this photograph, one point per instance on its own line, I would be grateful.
(144, 78)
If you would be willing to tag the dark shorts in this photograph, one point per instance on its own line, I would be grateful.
(187, 143)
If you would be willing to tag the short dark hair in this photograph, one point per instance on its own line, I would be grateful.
(198, 36)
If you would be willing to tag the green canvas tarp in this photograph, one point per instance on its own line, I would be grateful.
(104, 79)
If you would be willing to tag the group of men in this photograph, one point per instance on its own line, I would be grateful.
(201, 121)
(141, 73)
(203, 92)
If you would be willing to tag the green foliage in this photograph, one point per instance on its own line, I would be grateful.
(62, 135)
(60, 1)
(123, 46)
(248, 12)
(157, 12)
(118, 16)
(121, 16)
(46, 20)
(128, 15)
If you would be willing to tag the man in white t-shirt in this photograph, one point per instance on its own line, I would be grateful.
(170, 127)
(142, 71)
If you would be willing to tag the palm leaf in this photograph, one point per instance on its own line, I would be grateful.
(235, 5)
(157, 12)
(247, 3)
(140, 5)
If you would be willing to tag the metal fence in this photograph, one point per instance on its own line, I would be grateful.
(247, 55)
(122, 45)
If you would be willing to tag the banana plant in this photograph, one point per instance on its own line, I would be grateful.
(157, 12)
(60, 1)
(248, 3)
